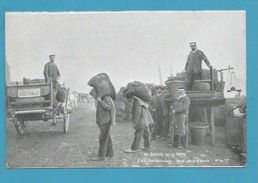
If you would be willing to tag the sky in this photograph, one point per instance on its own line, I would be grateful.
(126, 45)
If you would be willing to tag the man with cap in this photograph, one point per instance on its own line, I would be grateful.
(51, 71)
(141, 119)
(180, 110)
(193, 65)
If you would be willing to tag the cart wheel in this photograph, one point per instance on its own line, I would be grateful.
(66, 122)
(20, 126)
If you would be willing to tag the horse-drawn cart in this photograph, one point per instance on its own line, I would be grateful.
(34, 102)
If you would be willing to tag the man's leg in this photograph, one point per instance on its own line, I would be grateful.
(159, 125)
(181, 129)
(109, 147)
(171, 131)
(137, 139)
(103, 139)
(146, 138)
(165, 127)
(155, 128)
(198, 76)
(176, 136)
(162, 127)
(189, 81)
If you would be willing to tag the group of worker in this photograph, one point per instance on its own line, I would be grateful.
(169, 118)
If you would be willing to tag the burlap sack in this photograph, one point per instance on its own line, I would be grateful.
(60, 93)
(138, 89)
(103, 85)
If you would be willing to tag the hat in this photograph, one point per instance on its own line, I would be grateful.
(52, 55)
(192, 43)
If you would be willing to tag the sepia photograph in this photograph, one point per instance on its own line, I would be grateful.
(125, 89)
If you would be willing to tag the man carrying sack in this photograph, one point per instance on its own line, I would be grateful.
(141, 121)
(141, 116)
(105, 114)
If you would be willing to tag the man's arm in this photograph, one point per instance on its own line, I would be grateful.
(105, 104)
(187, 63)
(136, 112)
(58, 73)
(205, 59)
(46, 71)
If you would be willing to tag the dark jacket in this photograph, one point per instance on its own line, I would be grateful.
(104, 108)
(51, 71)
(194, 61)
(141, 116)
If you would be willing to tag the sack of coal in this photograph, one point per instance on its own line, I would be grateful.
(137, 89)
(60, 93)
(27, 81)
(103, 86)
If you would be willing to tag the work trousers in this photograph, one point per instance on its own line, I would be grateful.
(138, 134)
(165, 126)
(105, 141)
(157, 124)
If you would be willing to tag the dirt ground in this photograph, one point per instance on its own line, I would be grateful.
(44, 145)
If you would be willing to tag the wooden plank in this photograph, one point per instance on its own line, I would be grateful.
(207, 102)
(204, 94)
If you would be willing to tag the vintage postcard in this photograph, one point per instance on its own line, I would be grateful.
(125, 89)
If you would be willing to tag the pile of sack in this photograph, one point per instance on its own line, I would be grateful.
(27, 81)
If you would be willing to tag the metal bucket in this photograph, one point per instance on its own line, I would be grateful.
(198, 131)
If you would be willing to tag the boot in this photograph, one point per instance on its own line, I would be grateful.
(183, 139)
(176, 138)
(180, 142)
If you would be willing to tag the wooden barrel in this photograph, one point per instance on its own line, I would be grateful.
(198, 132)
(202, 85)
(173, 86)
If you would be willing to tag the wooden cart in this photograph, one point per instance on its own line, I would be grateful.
(34, 102)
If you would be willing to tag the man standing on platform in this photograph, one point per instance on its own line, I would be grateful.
(193, 65)
(51, 71)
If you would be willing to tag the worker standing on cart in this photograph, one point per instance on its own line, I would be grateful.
(193, 65)
(51, 71)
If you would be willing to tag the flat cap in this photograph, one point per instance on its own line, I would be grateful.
(192, 43)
